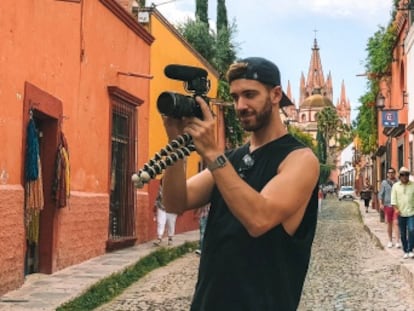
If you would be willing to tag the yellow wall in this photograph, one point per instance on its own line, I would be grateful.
(169, 48)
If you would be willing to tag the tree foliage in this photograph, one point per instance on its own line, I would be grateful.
(366, 123)
(199, 35)
(377, 64)
(303, 137)
(328, 122)
(219, 49)
(202, 11)
(222, 20)
(324, 173)
(379, 49)
(321, 147)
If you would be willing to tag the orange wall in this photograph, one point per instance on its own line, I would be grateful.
(72, 51)
(169, 48)
(178, 53)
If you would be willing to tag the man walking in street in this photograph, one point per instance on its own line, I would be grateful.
(391, 217)
(402, 200)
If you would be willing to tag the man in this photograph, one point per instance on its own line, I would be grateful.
(264, 199)
(384, 197)
(366, 194)
(402, 200)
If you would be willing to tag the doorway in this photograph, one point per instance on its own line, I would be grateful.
(46, 111)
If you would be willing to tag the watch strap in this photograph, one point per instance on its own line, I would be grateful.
(219, 162)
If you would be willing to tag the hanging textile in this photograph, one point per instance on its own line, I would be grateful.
(34, 204)
(34, 199)
(32, 152)
(61, 185)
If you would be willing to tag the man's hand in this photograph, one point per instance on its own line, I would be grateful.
(173, 126)
(203, 132)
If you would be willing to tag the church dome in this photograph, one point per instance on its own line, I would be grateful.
(316, 101)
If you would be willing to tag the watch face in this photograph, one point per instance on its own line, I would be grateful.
(221, 160)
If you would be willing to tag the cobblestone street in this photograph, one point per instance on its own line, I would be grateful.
(348, 272)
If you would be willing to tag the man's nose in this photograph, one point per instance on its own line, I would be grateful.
(240, 104)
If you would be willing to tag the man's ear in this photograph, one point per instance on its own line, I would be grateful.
(276, 94)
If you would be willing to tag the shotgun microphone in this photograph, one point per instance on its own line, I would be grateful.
(184, 73)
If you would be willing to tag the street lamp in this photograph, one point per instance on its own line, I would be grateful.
(380, 101)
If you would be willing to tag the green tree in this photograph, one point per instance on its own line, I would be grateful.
(198, 34)
(202, 11)
(219, 50)
(225, 50)
(328, 122)
(221, 21)
(321, 147)
(303, 137)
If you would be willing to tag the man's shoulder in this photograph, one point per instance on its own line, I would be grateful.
(305, 154)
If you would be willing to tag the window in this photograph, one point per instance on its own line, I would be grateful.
(303, 118)
(122, 166)
(400, 155)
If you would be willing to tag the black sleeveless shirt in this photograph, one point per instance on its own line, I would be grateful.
(240, 272)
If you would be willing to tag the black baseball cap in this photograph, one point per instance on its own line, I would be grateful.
(264, 71)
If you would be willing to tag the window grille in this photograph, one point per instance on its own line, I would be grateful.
(122, 197)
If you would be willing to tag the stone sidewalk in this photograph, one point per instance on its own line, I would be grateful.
(378, 231)
(47, 292)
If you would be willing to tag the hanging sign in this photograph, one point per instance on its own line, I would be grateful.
(390, 118)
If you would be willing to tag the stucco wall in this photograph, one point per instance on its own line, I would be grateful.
(72, 51)
(12, 238)
(83, 228)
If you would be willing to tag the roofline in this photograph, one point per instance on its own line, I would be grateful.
(119, 11)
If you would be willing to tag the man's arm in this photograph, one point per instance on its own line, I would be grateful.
(394, 198)
(283, 199)
(180, 194)
(381, 194)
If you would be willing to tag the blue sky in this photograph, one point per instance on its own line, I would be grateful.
(283, 31)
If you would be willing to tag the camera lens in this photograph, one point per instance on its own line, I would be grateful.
(175, 105)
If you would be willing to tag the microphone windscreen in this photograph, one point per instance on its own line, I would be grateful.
(184, 73)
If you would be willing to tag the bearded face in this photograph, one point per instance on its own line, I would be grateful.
(252, 119)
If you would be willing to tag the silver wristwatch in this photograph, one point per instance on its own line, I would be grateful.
(219, 162)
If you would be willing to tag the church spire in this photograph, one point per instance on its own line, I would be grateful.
(315, 79)
(343, 106)
(315, 82)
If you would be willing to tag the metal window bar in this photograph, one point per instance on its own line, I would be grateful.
(122, 198)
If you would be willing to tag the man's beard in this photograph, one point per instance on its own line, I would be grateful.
(261, 118)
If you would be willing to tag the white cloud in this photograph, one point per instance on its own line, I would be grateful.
(176, 11)
(357, 9)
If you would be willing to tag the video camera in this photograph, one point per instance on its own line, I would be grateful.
(177, 105)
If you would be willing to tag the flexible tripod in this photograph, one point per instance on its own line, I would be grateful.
(177, 149)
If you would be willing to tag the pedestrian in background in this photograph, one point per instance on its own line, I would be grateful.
(321, 196)
(391, 215)
(366, 194)
(164, 219)
(402, 200)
